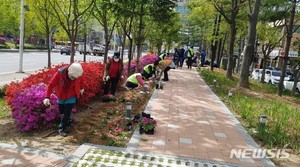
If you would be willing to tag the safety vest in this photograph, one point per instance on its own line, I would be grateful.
(133, 79)
(162, 56)
(146, 68)
(190, 52)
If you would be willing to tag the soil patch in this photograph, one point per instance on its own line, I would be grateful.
(97, 123)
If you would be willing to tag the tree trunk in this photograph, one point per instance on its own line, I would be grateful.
(215, 42)
(244, 76)
(49, 35)
(140, 38)
(231, 50)
(287, 48)
(129, 56)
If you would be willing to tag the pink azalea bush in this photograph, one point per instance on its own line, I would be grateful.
(2, 40)
(30, 112)
(144, 60)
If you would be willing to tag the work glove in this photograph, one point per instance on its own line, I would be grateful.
(47, 102)
(107, 78)
(81, 92)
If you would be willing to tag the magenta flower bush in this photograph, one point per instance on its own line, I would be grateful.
(2, 40)
(144, 60)
(148, 59)
(30, 112)
(16, 40)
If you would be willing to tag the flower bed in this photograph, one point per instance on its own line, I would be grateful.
(25, 98)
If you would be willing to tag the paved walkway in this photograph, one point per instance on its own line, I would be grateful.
(194, 129)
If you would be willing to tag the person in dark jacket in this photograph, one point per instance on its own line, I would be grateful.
(113, 74)
(181, 57)
(67, 83)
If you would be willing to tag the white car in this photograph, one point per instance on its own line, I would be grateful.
(256, 74)
(289, 85)
(273, 77)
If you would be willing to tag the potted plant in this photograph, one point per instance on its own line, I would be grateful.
(147, 125)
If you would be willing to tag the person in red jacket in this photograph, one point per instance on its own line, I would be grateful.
(113, 74)
(67, 85)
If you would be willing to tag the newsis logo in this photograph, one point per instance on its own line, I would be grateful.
(259, 153)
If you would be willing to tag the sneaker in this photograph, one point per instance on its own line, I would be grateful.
(62, 132)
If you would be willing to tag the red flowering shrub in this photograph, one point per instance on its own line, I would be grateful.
(44, 76)
(92, 80)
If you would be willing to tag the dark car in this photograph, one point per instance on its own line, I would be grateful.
(65, 50)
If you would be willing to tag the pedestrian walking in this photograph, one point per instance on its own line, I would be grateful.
(68, 88)
(181, 57)
(113, 74)
(203, 55)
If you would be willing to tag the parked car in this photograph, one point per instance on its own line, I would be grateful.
(273, 76)
(98, 50)
(256, 74)
(290, 83)
(65, 50)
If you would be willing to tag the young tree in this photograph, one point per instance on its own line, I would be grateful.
(104, 14)
(229, 11)
(249, 51)
(70, 15)
(42, 12)
(289, 36)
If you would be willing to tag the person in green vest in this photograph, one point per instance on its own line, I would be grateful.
(190, 55)
(149, 70)
(162, 56)
(134, 80)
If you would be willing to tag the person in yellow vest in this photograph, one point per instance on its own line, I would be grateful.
(149, 70)
(165, 66)
(190, 55)
(134, 80)
(163, 56)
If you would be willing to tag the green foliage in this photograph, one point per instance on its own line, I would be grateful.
(4, 46)
(4, 109)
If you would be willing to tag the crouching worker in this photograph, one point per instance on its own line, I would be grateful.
(149, 70)
(67, 85)
(165, 66)
(134, 80)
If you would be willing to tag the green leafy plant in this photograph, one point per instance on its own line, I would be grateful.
(98, 159)
(127, 155)
(124, 162)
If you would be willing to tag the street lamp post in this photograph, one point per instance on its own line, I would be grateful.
(21, 42)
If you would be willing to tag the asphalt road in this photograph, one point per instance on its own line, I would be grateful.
(9, 61)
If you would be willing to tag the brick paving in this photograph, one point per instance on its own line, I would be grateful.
(193, 122)
(193, 125)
